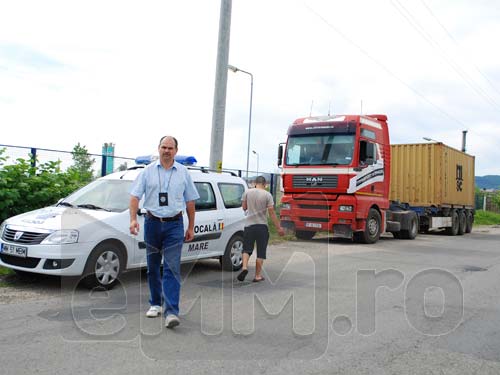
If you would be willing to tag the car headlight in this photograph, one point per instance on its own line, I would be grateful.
(346, 208)
(2, 227)
(59, 237)
(286, 206)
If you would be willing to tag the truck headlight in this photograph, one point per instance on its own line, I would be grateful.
(59, 237)
(286, 206)
(346, 208)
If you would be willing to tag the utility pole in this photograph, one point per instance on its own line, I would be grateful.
(219, 106)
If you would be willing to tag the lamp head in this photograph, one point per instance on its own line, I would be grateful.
(232, 68)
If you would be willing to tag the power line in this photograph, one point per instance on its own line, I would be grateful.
(458, 46)
(413, 22)
(387, 70)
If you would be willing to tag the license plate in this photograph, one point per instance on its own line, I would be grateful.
(17, 251)
(313, 225)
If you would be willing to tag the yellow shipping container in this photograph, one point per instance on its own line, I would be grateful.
(431, 174)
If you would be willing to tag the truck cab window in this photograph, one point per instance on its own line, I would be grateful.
(367, 154)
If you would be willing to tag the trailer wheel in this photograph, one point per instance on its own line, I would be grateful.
(462, 222)
(411, 233)
(469, 219)
(453, 230)
(304, 234)
(371, 234)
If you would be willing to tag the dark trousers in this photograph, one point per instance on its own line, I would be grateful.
(164, 239)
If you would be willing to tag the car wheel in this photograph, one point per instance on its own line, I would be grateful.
(104, 266)
(232, 260)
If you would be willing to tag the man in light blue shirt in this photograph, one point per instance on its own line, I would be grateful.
(168, 189)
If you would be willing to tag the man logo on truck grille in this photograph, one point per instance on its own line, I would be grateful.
(313, 181)
(460, 179)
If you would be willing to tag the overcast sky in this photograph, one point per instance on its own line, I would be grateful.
(129, 72)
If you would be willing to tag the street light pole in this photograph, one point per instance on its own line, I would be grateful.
(235, 70)
(256, 153)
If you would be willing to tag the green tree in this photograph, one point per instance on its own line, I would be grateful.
(24, 188)
(81, 169)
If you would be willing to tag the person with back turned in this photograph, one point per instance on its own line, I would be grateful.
(257, 203)
(168, 189)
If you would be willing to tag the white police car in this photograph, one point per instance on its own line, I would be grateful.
(87, 233)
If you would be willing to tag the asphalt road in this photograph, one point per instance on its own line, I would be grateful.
(428, 306)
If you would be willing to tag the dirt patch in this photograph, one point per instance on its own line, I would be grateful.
(13, 289)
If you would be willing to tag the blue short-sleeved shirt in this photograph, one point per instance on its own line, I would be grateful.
(175, 181)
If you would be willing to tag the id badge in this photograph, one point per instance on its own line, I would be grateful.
(163, 199)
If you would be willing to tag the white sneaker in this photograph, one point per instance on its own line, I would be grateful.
(154, 311)
(172, 321)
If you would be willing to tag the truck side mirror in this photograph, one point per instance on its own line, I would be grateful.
(280, 155)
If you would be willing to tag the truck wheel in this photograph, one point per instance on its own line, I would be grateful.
(411, 233)
(304, 234)
(104, 266)
(469, 219)
(453, 230)
(371, 234)
(462, 222)
(232, 259)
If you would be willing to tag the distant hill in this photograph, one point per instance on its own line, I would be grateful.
(488, 182)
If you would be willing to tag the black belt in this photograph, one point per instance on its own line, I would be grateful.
(164, 219)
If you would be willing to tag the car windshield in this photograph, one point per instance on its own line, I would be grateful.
(328, 149)
(109, 195)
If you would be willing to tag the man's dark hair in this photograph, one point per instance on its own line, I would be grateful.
(260, 180)
(166, 136)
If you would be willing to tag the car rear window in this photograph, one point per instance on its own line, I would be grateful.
(231, 194)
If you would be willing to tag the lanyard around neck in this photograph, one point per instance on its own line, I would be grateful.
(159, 178)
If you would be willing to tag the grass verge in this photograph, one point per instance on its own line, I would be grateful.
(4, 272)
(486, 218)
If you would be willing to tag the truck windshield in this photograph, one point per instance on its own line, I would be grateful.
(109, 195)
(328, 149)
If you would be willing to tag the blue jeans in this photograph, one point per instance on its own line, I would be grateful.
(164, 239)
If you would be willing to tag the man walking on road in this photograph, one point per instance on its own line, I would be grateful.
(257, 203)
(168, 189)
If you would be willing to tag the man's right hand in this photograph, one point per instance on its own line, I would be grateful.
(134, 227)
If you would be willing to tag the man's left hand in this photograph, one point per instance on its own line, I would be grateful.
(189, 235)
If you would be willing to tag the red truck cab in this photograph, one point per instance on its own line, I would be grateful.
(336, 173)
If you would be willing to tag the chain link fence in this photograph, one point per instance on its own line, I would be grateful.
(106, 164)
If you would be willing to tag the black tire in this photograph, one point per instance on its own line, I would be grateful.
(304, 234)
(232, 260)
(453, 230)
(104, 266)
(469, 220)
(411, 233)
(462, 222)
(371, 234)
